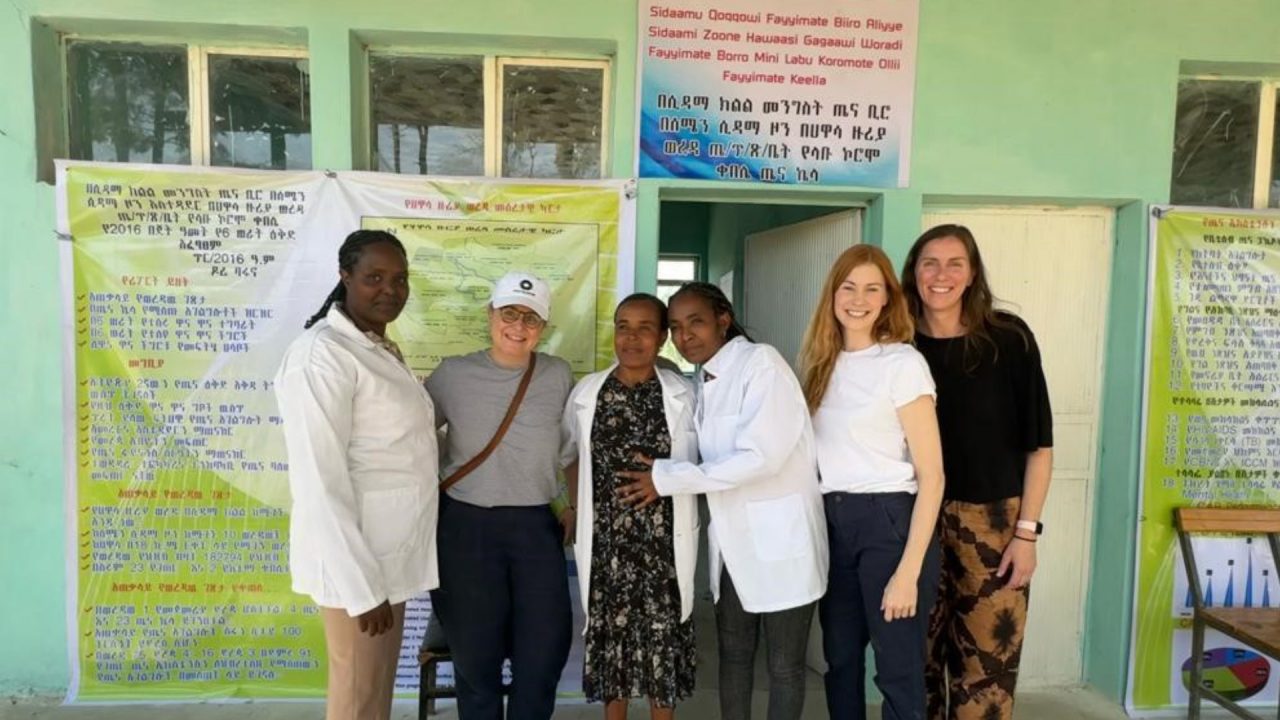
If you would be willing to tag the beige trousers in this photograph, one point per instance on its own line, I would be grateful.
(362, 669)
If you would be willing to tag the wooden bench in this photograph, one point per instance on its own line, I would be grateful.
(1258, 628)
(429, 688)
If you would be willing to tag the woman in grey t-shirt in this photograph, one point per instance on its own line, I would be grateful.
(504, 588)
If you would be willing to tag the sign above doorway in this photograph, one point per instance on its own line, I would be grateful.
(817, 93)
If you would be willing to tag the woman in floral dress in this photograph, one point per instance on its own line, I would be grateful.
(636, 559)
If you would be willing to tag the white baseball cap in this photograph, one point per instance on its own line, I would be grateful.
(522, 288)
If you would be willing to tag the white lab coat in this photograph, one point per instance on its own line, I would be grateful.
(759, 474)
(677, 404)
(360, 433)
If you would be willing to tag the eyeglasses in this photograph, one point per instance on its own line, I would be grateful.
(530, 319)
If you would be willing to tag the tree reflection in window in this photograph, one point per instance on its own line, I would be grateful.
(427, 114)
(551, 121)
(260, 115)
(128, 103)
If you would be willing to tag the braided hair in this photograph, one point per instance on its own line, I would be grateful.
(720, 305)
(348, 255)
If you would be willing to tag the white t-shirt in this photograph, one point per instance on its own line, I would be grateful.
(861, 445)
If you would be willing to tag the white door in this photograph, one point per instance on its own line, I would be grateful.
(783, 273)
(1051, 266)
(784, 269)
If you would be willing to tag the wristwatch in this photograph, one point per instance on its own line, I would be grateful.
(1034, 526)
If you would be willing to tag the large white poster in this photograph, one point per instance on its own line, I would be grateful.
(184, 286)
(1212, 410)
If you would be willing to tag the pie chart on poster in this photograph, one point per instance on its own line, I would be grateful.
(1235, 673)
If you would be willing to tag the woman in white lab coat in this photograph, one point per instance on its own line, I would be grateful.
(360, 435)
(758, 471)
(635, 563)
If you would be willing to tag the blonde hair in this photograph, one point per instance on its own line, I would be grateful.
(824, 339)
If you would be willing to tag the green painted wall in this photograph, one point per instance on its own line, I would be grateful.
(1060, 101)
(683, 229)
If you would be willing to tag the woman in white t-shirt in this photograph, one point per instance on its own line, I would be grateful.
(880, 462)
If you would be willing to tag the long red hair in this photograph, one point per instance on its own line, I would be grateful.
(824, 339)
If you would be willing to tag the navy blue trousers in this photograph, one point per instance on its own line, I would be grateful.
(867, 535)
(504, 593)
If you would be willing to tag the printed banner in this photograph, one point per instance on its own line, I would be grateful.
(185, 287)
(1211, 437)
(811, 93)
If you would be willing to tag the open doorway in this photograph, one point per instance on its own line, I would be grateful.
(770, 259)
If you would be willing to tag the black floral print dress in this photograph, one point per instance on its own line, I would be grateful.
(636, 645)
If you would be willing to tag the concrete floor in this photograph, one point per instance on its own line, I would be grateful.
(1040, 705)
(1033, 704)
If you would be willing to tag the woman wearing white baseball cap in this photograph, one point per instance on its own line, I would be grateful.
(504, 588)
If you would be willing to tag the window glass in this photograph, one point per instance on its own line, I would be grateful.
(427, 115)
(260, 113)
(128, 103)
(1215, 143)
(551, 121)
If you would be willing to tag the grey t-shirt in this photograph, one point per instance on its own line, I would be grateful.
(471, 394)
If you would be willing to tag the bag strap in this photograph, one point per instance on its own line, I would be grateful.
(484, 454)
